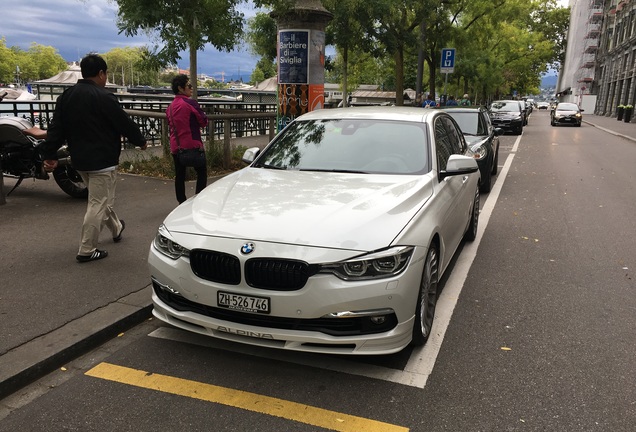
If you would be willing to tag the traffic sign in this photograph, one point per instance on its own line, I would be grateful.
(448, 60)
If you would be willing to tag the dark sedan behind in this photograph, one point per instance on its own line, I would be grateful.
(507, 115)
(481, 137)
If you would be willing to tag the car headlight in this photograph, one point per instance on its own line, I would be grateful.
(480, 151)
(164, 244)
(383, 264)
(578, 115)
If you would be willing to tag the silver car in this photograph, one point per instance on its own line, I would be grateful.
(332, 240)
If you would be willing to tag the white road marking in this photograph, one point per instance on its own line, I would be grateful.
(422, 360)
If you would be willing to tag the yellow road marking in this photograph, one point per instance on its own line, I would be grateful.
(240, 399)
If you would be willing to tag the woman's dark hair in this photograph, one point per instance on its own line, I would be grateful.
(179, 81)
(91, 65)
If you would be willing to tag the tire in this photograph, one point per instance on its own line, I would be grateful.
(486, 183)
(495, 164)
(69, 180)
(471, 233)
(426, 298)
(520, 130)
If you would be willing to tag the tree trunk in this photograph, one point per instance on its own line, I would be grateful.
(399, 76)
(194, 79)
(345, 76)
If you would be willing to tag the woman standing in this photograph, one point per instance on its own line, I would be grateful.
(185, 119)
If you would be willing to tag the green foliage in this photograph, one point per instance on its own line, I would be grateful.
(39, 62)
(163, 166)
(261, 36)
(127, 66)
(180, 25)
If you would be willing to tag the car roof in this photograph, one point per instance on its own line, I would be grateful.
(414, 114)
(459, 108)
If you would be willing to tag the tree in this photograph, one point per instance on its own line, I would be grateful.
(346, 30)
(182, 24)
(39, 62)
(127, 66)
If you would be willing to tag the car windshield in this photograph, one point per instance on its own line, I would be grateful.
(505, 106)
(350, 145)
(468, 122)
(567, 107)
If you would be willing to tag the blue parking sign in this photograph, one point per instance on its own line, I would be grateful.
(447, 64)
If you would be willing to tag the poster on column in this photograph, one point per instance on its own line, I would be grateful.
(293, 56)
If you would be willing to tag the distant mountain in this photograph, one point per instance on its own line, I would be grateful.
(549, 81)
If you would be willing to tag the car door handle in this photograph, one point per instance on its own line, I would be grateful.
(465, 179)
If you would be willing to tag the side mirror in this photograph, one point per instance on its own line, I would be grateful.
(459, 165)
(499, 131)
(250, 154)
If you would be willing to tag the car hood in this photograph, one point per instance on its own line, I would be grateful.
(565, 112)
(472, 140)
(334, 210)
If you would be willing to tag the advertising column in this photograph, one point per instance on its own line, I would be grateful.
(301, 59)
(301, 73)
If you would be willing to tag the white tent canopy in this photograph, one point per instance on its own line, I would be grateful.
(69, 76)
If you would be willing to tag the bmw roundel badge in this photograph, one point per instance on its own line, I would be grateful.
(247, 248)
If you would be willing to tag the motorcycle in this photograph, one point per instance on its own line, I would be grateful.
(20, 157)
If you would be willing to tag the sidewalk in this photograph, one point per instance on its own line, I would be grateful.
(53, 309)
(612, 126)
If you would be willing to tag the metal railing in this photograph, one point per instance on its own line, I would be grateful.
(245, 119)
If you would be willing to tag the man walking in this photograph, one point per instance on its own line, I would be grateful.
(90, 120)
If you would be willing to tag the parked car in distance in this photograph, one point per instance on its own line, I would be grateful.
(332, 240)
(566, 113)
(482, 137)
(543, 105)
(507, 115)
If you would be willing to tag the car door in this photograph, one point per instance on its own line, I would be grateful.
(453, 191)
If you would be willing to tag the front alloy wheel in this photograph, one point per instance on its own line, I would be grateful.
(426, 299)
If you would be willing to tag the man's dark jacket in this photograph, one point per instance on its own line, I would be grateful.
(91, 121)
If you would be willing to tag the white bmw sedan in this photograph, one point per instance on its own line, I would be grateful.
(332, 240)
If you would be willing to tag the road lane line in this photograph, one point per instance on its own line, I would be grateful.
(307, 414)
(423, 359)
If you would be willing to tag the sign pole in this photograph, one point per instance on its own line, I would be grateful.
(447, 64)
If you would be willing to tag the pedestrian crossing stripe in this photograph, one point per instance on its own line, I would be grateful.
(307, 414)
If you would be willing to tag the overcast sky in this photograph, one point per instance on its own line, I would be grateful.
(77, 27)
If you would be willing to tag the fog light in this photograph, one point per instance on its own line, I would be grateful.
(378, 320)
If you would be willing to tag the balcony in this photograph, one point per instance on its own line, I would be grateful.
(591, 49)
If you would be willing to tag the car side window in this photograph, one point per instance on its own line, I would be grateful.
(484, 124)
(443, 146)
(455, 136)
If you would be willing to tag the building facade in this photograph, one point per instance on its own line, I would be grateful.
(599, 72)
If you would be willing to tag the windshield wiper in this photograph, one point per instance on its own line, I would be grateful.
(274, 167)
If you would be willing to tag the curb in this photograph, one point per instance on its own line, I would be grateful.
(610, 131)
(33, 360)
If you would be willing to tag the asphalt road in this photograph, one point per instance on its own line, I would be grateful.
(540, 333)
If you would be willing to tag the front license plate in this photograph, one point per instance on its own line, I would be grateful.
(242, 302)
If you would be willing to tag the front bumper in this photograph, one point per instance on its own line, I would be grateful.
(508, 124)
(327, 315)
